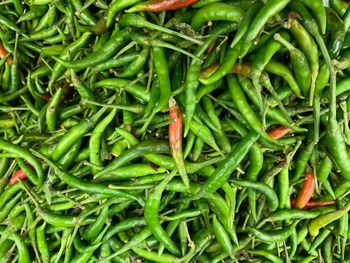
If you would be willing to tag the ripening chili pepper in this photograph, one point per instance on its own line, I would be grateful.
(19, 175)
(3, 53)
(314, 203)
(306, 192)
(325, 219)
(243, 69)
(175, 139)
(160, 5)
(209, 71)
(279, 132)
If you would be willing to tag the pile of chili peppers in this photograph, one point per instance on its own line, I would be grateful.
(174, 131)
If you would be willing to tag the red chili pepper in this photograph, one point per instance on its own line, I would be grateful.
(315, 203)
(20, 175)
(175, 139)
(279, 132)
(161, 5)
(306, 192)
(3, 53)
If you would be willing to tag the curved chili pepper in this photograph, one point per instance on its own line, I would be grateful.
(117, 40)
(279, 132)
(216, 11)
(271, 8)
(306, 192)
(314, 203)
(325, 219)
(160, 5)
(175, 139)
(19, 175)
(4, 53)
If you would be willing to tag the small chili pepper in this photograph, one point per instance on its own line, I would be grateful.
(19, 175)
(175, 139)
(267, 255)
(140, 22)
(160, 5)
(245, 22)
(270, 9)
(279, 132)
(243, 106)
(4, 53)
(191, 85)
(314, 203)
(306, 192)
(263, 188)
(117, 40)
(95, 140)
(231, 162)
(116, 7)
(325, 219)
(151, 216)
(337, 33)
(214, 12)
(272, 235)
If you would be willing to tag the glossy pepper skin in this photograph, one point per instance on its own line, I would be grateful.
(101, 97)
(160, 5)
(306, 192)
(175, 139)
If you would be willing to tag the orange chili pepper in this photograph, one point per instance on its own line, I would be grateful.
(306, 192)
(279, 132)
(3, 53)
(18, 175)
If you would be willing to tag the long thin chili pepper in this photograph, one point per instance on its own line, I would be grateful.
(306, 191)
(160, 5)
(314, 203)
(175, 139)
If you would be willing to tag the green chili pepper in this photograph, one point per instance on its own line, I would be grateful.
(117, 40)
(325, 219)
(271, 8)
(217, 11)
(271, 236)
